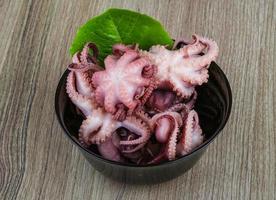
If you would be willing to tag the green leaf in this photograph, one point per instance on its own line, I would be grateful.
(120, 26)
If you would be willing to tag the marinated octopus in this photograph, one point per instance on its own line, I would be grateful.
(139, 107)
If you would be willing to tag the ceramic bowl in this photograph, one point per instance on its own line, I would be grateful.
(213, 106)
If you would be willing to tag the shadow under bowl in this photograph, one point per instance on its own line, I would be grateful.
(213, 106)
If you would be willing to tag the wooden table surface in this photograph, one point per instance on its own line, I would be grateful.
(38, 162)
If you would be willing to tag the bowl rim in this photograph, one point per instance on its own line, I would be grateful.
(198, 148)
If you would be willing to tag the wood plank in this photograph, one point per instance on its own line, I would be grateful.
(38, 162)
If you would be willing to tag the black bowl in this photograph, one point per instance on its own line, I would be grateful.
(213, 106)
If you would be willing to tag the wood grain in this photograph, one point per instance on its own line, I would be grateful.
(38, 162)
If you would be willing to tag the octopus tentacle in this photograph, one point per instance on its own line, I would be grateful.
(127, 97)
(170, 115)
(76, 58)
(143, 116)
(197, 78)
(171, 129)
(120, 49)
(99, 97)
(83, 83)
(205, 60)
(190, 104)
(109, 149)
(186, 67)
(90, 61)
(183, 89)
(83, 76)
(109, 102)
(124, 81)
(110, 61)
(105, 131)
(180, 42)
(191, 134)
(163, 126)
(121, 113)
(89, 128)
(148, 91)
(97, 127)
(185, 41)
(149, 71)
(138, 127)
(128, 57)
(85, 104)
(77, 67)
(177, 107)
(83, 66)
(85, 52)
(161, 99)
(171, 148)
(193, 48)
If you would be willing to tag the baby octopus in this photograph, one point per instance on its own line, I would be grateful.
(139, 107)
(126, 82)
(184, 68)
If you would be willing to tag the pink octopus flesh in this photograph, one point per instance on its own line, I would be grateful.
(139, 107)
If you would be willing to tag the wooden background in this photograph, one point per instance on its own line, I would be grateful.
(38, 162)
